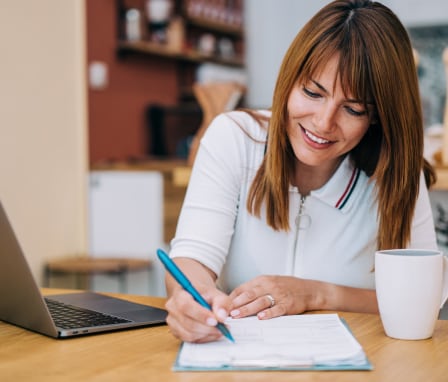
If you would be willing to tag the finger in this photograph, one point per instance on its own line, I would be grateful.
(183, 305)
(186, 315)
(249, 294)
(259, 304)
(245, 288)
(221, 307)
(191, 330)
(189, 335)
(188, 320)
(275, 311)
(220, 302)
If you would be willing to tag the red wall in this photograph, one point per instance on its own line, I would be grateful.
(116, 115)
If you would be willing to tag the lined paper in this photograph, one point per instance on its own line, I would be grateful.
(282, 342)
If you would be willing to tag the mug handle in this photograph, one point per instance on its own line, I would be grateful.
(445, 281)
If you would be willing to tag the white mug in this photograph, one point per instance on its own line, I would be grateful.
(411, 287)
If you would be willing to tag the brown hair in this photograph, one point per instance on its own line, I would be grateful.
(376, 65)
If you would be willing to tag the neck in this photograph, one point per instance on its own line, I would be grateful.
(308, 178)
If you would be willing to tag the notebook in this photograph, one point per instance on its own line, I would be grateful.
(296, 342)
(22, 304)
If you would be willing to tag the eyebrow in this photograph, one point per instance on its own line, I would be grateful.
(350, 100)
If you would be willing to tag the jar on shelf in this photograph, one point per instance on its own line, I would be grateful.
(133, 27)
(158, 13)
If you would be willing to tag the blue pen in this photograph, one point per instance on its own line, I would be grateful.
(174, 270)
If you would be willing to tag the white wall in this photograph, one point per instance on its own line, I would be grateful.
(271, 25)
(43, 156)
(420, 12)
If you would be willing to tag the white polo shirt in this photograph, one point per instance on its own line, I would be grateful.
(336, 237)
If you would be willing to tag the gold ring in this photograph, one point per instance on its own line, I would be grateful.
(271, 300)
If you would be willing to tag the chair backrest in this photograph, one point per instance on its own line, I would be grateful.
(214, 98)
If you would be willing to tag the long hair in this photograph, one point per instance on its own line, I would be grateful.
(376, 65)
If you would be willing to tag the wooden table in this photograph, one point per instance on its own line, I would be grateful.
(147, 355)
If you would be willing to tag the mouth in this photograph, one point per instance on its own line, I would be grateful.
(314, 138)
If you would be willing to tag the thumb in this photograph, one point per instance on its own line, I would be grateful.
(221, 304)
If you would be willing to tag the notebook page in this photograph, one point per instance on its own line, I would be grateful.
(300, 340)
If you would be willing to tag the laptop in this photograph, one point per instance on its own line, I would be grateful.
(63, 315)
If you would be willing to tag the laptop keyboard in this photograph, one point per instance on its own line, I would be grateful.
(72, 317)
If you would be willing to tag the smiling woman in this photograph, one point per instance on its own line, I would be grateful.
(292, 203)
(324, 124)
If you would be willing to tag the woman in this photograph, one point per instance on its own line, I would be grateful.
(285, 209)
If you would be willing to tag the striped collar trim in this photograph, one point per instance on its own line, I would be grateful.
(349, 189)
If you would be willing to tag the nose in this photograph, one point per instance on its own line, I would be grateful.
(325, 119)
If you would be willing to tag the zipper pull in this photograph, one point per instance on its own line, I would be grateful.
(303, 220)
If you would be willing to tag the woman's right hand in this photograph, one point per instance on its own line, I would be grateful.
(187, 319)
(191, 322)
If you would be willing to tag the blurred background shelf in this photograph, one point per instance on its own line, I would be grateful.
(156, 49)
(221, 27)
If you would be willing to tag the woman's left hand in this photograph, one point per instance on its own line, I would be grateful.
(273, 296)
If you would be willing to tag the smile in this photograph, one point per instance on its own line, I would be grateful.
(316, 139)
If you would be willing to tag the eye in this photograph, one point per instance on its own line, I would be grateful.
(354, 112)
(310, 93)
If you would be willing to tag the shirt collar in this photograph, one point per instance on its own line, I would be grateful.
(338, 192)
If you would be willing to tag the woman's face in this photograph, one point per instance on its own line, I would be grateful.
(324, 124)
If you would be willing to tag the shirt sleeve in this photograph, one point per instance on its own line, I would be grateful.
(206, 222)
(423, 235)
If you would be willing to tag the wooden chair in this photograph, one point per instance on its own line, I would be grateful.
(214, 98)
(83, 267)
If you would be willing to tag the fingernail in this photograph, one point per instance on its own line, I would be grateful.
(261, 315)
(235, 313)
(222, 314)
(212, 321)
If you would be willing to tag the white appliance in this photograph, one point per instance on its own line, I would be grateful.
(126, 219)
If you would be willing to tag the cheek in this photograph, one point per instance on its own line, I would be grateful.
(355, 135)
(295, 102)
(293, 130)
(293, 109)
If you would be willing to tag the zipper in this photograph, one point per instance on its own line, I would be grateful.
(297, 224)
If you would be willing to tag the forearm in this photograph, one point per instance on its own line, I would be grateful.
(195, 271)
(343, 298)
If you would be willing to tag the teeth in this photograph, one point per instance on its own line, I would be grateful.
(315, 139)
